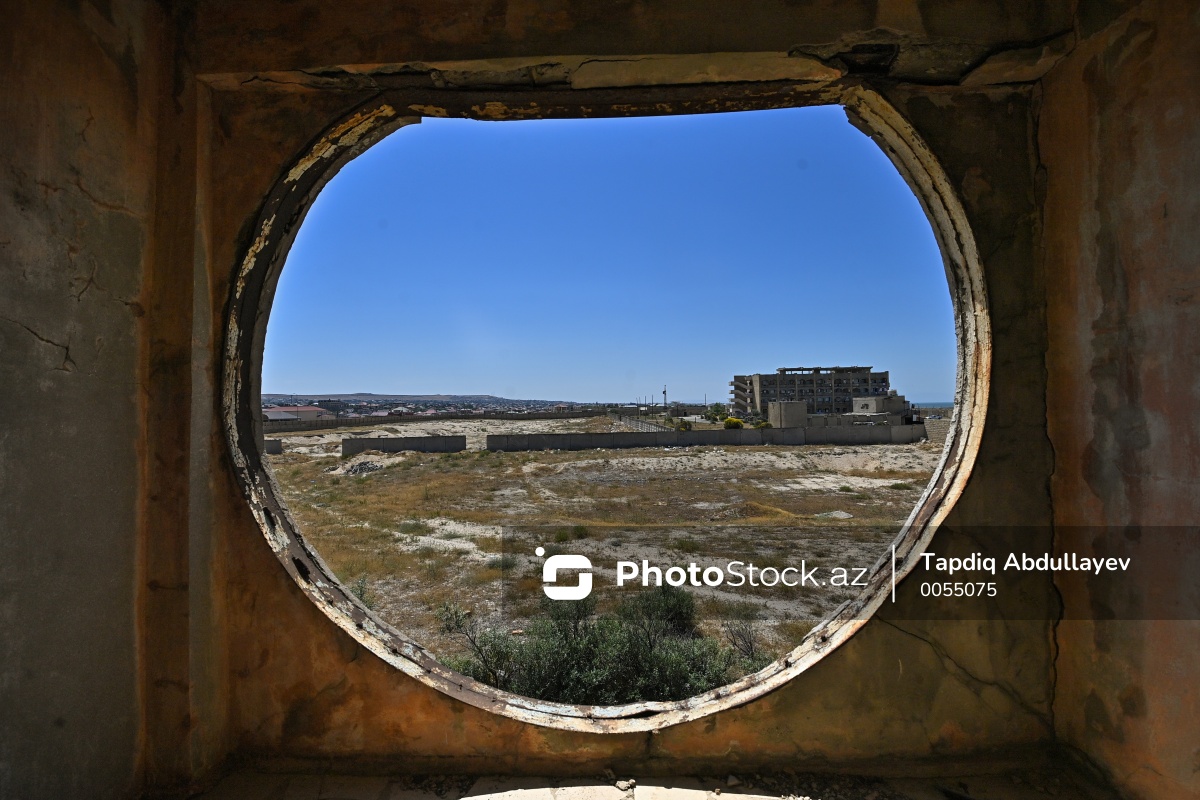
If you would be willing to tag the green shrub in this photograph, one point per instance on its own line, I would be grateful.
(574, 532)
(649, 649)
(503, 563)
(363, 591)
(763, 424)
(734, 422)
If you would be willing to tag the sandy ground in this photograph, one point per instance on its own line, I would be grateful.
(832, 458)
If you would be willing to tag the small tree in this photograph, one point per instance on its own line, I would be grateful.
(716, 412)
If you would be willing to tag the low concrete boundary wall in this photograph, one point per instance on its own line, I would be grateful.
(914, 433)
(857, 434)
(866, 434)
(398, 444)
(642, 425)
(787, 436)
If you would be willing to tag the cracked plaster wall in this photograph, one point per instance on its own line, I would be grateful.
(76, 209)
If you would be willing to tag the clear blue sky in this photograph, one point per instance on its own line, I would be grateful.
(600, 259)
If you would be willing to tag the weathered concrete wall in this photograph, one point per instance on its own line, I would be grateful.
(593, 441)
(77, 165)
(150, 632)
(792, 414)
(938, 41)
(399, 444)
(302, 689)
(858, 434)
(1119, 142)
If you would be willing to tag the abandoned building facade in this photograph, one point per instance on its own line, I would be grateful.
(164, 624)
(826, 390)
(886, 409)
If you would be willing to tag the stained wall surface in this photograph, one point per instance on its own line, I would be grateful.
(77, 162)
(151, 636)
(301, 689)
(1119, 144)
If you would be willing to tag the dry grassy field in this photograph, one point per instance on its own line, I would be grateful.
(411, 531)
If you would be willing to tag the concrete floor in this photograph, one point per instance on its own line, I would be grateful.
(1033, 784)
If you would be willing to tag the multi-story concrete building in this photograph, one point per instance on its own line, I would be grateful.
(827, 390)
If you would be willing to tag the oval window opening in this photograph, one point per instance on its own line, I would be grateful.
(611, 412)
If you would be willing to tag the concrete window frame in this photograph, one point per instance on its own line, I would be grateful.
(252, 293)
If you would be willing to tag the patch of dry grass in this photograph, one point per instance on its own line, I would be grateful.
(394, 528)
(922, 476)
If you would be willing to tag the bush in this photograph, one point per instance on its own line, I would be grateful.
(649, 649)
(504, 562)
(683, 425)
(763, 424)
(574, 532)
(362, 590)
(734, 422)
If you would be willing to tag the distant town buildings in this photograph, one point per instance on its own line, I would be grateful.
(295, 412)
(825, 390)
(284, 409)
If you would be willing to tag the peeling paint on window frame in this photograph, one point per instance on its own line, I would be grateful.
(280, 217)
